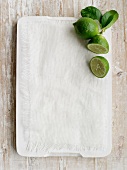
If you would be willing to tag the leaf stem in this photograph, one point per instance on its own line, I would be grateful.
(103, 30)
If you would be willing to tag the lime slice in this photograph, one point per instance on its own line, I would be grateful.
(99, 66)
(98, 45)
(86, 28)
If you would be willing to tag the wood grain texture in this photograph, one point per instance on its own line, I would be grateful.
(10, 11)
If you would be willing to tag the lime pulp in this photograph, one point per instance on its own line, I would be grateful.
(99, 66)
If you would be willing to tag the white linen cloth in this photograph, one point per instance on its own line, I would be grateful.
(62, 108)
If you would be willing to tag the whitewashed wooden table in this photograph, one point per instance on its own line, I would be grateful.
(10, 12)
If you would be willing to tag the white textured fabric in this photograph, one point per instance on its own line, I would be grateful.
(61, 107)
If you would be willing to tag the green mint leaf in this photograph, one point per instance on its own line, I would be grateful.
(91, 12)
(109, 18)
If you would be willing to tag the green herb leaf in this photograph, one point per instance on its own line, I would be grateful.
(91, 12)
(109, 18)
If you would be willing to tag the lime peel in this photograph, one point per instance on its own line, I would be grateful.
(86, 28)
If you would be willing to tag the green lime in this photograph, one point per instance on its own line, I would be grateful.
(86, 28)
(98, 45)
(99, 66)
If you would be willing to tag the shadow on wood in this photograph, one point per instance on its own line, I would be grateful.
(13, 85)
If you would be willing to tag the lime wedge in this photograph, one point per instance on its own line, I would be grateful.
(99, 66)
(98, 44)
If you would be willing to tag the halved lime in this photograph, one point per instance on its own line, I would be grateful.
(86, 28)
(98, 45)
(99, 66)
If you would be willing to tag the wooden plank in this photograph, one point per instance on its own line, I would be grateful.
(79, 163)
(10, 11)
(119, 82)
(7, 82)
(116, 159)
(50, 163)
